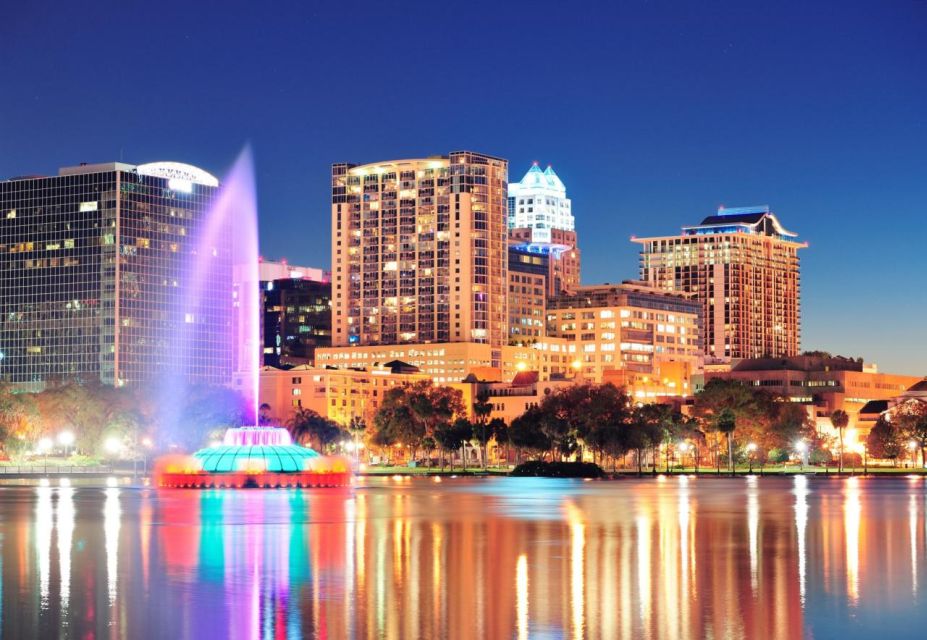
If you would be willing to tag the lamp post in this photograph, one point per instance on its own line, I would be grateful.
(801, 448)
(113, 446)
(750, 449)
(912, 445)
(864, 452)
(66, 439)
(682, 447)
(45, 445)
(147, 444)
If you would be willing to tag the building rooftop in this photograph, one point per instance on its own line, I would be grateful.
(800, 363)
(753, 220)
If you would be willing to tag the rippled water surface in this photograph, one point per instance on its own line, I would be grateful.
(468, 558)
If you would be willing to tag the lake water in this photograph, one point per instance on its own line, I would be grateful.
(678, 557)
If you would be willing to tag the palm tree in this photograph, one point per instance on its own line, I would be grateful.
(726, 423)
(839, 419)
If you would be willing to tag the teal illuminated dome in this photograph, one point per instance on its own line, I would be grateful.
(261, 449)
(253, 457)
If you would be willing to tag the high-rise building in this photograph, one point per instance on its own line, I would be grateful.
(631, 334)
(297, 314)
(96, 276)
(742, 265)
(527, 295)
(419, 251)
(541, 222)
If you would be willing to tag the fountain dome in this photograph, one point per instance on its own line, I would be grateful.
(256, 448)
(255, 457)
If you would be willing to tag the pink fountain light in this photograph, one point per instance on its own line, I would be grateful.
(232, 222)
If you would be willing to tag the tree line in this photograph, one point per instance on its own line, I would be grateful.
(729, 422)
(94, 413)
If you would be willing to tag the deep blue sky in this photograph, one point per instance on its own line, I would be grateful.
(653, 113)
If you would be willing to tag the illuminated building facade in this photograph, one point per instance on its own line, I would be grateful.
(94, 276)
(453, 361)
(527, 296)
(822, 384)
(419, 251)
(297, 318)
(541, 222)
(742, 265)
(338, 394)
(632, 335)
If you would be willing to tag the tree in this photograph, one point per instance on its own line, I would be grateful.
(482, 408)
(726, 423)
(449, 437)
(308, 426)
(645, 431)
(885, 441)
(411, 412)
(839, 419)
(752, 408)
(499, 432)
(526, 432)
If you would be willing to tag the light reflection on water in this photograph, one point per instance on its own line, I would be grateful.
(493, 558)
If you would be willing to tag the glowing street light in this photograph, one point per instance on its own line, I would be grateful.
(912, 445)
(801, 447)
(113, 445)
(45, 445)
(751, 448)
(66, 440)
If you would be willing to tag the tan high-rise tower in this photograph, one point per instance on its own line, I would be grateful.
(419, 251)
(743, 267)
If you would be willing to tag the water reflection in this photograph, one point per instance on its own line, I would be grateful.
(684, 558)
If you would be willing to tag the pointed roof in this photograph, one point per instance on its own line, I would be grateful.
(534, 177)
(538, 178)
(553, 179)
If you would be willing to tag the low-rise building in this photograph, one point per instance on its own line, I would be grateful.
(448, 362)
(338, 394)
(509, 400)
(823, 384)
(632, 335)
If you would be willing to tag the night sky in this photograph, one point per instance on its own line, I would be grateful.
(652, 113)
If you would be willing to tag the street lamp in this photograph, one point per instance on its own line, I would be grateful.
(801, 448)
(113, 445)
(45, 445)
(912, 445)
(750, 449)
(682, 447)
(864, 452)
(66, 439)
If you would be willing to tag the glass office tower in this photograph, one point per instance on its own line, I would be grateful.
(96, 277)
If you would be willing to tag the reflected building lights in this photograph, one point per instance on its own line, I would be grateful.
(643, 570)
(65, 524)
(43, 535)
(912, 524)
(753, 526)
(111, 525)
(577, 574)
(852, 512)
(801, 523)
(521, 596)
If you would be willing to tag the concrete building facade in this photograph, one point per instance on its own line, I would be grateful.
(632, 335)
(419, 251)
(743, 266)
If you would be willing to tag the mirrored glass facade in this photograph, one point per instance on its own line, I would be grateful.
(96, 277)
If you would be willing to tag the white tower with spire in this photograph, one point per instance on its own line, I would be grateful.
(539, 203)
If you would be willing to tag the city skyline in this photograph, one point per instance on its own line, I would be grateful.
(822, 123)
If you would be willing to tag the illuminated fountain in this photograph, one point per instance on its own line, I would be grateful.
(254, 457)
(250, 456)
